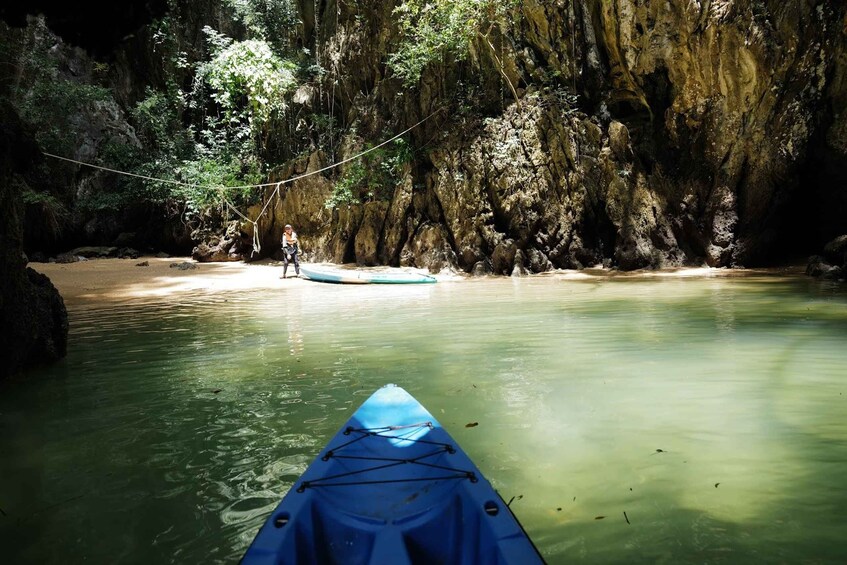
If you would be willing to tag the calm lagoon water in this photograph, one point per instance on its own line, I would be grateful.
(711, 410)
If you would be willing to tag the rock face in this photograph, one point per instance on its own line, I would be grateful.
(646, 134)
(628, 133)
(33, 319)
(833, 263)
(233, 246)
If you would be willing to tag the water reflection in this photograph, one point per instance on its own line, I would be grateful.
(709, 410)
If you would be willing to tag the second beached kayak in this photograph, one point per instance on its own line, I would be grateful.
(392, 487)
(352, 276)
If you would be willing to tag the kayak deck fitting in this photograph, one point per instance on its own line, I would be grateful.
(352, 276)
(392, 487)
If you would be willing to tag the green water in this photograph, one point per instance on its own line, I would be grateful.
(124, 452)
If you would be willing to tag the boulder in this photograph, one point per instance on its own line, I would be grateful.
(836, 251)
(833, 263)
(95, 252)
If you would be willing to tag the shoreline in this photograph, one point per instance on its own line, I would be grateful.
(109, 280)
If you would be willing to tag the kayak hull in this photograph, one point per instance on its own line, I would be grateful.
(392, 487)
(348, 276)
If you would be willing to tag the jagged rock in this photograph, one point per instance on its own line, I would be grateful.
(93, 252)
(833, 264)
(341, 240)
(125, 239)
(128, 253)
(644, 135)
(68, 258)
(537, 262)
(703, 116)
(143, 264)
(619, 141)
(503, 257)
(519, 270)
(233, 246)
(428, 249)
(835, 251)
(482, 268)
(368, 236)
(33, 319)
(184, 266)
(818, 267)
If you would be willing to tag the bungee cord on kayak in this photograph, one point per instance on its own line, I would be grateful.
(365, 433)
(221, 190)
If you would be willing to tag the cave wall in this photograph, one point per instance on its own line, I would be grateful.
(704, 132)
(33, 319)
(639, 134)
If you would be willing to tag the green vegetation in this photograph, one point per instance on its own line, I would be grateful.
(236, 101)
(221, 154)
(217, 116)
(208, 125)
(268, 20)
(247, 80)
(48, 100)
(372, 177)
(441, 30)
(52, 211)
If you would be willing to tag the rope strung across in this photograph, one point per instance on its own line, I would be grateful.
(257, 247)
(386, 433)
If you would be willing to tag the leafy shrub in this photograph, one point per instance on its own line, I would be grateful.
(373, 176)
(247, 79)
(269, 20)
(437, 30)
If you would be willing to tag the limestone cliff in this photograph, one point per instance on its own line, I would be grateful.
(645, 134)
(629, 133)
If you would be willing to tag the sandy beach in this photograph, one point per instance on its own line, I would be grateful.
(108, 280)
(119, 279)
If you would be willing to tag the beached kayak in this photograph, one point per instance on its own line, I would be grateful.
(392, 487)
(352, 276)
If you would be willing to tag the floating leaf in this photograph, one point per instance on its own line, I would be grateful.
(472, 425)
(599, 517)
(716, 485)
(217, 390)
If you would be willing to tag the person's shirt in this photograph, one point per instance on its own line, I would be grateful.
(289, 240)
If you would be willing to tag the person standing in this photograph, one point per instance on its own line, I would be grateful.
(290, 249)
